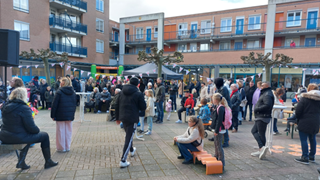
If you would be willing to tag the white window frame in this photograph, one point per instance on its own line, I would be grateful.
(294, 18)
(255, 25)
(227, 28)
(182, 50)
(99, 8)
(100, 43)
(194, 45)
(139, 35)
(203, 45)
(155, 30)
(255, 40)
(205, 30)
(223, 43)
(19, 8)
(20, 22)
(127, 34)
(183, 32)
(100, 21)
(292, 38)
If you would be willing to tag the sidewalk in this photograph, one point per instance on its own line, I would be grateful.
(97, 147)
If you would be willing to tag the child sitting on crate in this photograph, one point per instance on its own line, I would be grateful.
(204, 113)
(189, 105)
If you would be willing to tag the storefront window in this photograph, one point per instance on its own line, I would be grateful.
(76, 74)
(290, 81)
(53, 72)
(15, 71)
(38, 72)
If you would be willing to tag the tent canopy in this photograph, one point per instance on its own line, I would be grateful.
(149, 67)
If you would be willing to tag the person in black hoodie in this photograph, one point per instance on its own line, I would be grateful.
(183, 101)
(262, 113)
(43, 89)
(235, 102)
(308, 119)
(249, 90)
(142, 87)
(225, 93)
(19, 128)
(173, 88)
(127, 107)
(62, 111)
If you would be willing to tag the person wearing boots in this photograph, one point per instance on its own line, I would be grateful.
(113, 104)
(19, 128)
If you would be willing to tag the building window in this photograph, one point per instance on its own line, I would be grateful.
(182, 47)
(253, 44)
(204, 47)
(100, 5)
(224, 45)
(193, 47)
(139, 33)
(205, 27)
(296, 41)
(100, 25)
(139, 49)
(294, 19)
(99, 46)
(226, 25)
(127, 36)
(21, 5)
(23, 28)
(156, 32)
(254, 22)
(183, 29)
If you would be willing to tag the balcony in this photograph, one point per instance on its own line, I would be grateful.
(74, 6)
(59, 25)
(114, 38)
(305, 26)
(75, 51)
(113, 55)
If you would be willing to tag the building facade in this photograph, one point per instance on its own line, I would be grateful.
(77, 27)
(212, 43)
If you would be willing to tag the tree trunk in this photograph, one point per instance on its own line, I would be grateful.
(268, 73)
(47, 70)
(159, 64)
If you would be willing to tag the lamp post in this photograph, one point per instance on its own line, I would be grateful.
(117, 65)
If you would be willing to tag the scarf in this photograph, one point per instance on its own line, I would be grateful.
(233, 92)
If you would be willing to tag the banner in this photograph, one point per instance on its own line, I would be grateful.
(147, 73)
(53, 64)
(296, 67)
(126, 77)
(154, 71)
(96, 75)
(82, 72)
(68, 67)
(111, 77)
(74, 69)
(133, 75)
(187, 72)
(89, 73)
(166, 64)
(288, 81)
(61, 64)
(140, 75)
(19, 66)
(36, 66)
(180, 69)
(174, 65)
(27, 67)
(259, 75)
(244, 80)
(10, 67)
(208, 79)
(119, 77)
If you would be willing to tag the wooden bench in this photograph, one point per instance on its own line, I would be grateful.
(205, 128)
(288, 112)
(291, 124)
(213, 166)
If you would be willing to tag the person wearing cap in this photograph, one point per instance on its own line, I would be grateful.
(105, 98)
(128, 105)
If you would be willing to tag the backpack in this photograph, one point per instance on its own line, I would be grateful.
(227, 117)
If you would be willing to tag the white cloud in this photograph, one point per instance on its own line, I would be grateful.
(126, 8)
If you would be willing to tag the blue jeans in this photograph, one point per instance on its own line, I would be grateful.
(250, 111)
(160, 111)
(174, 101)
(275, 128)
(304, 144)
(187, 111)
(226, 137)
(183, 148)
(149, 121)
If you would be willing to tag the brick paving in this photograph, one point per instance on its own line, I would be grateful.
(97, 147)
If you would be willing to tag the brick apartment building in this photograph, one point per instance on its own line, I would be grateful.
(77, 27)
(215, 41)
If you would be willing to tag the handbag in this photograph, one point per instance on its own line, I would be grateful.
(195, 143)
(281, 115)
(89, 104)
(243, 103)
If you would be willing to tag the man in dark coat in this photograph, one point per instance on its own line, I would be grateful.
(262, 112)
(235, 102)
(249, 90)
(173, 88)
(198, 87)
(57, 84)
(105, 98)
(183, 101)
(191, 86)
(160, 96)
(128, 105)
(43, 88)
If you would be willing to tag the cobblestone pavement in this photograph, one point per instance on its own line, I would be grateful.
(97, 147)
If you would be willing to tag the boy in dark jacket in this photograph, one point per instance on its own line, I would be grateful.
(49, 97)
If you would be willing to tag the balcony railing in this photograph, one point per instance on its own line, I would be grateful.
(295, 26)
(67, 24)
(71, 50)
(114, 37)
(113, 55)
(79, 4)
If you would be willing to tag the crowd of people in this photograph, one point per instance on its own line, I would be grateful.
(225, 102)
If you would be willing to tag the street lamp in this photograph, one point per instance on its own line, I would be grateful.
(117, 65)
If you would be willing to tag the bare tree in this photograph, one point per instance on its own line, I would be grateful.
(45, 55)
(158, 58)
(280, 60)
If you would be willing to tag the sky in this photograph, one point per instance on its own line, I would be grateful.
(127, 8)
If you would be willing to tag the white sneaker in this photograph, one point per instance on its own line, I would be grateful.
(255, 154)
(263, 152)
(148, 133)
(124, 164)
(134, 150)
(179, 121)
(175, 110)
(107, 112)
(99, 111)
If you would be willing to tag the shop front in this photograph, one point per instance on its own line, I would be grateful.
(237, 73)
(26, 74)
(290, 78)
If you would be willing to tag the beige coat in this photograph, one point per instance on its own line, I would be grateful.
(204, 92)
(194, 135)
(150, 107)
(180, 88)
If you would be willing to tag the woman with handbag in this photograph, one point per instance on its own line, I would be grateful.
(190, 140)
(277, 101)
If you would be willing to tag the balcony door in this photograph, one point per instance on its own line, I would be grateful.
(116, 36)
(148, 34)
(310, 42)
(194, 28)
(312, 19)
(239, 27)
(279, 22)
(238, 45)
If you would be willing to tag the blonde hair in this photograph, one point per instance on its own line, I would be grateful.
(67, 82)
(240, 84)
(19, 93)
(198, 125)
(90, 81)
(312, 86)
(218, 97)
(150, 92)
(194, 90)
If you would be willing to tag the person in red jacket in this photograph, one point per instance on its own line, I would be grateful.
(189, 105)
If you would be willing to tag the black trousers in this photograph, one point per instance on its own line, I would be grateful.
(235, 119)
(106, 102)
(130, 130)
(259, 132)
(43, 104)
(41, 137)
(48, 104)
(180, 111)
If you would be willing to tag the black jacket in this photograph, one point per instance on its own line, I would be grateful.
(74, 84)
(191, 86)
(183, 101)
(64, 104)
(18, 124)
(308, 112)
(198, 86)
(114, 100)
(129, 103)
(160, 93)
(225, 93)
(142, 87)
(43, 89)
(249, 93)
(243, 94)
(264, 106)
(217, 119)
(235, 101)
(89, 88)
(57, 85)
(119, 86)
(48, 96)
(174, 90)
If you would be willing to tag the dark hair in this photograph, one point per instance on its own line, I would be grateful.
(36, 77)
(203, 83)
(203, 101)
(279, 91)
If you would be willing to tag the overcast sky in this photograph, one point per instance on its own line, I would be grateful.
(125, 8)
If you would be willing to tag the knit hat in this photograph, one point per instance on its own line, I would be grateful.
(134, 81)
